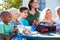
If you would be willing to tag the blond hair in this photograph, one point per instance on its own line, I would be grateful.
(44, 12)
(14, 11)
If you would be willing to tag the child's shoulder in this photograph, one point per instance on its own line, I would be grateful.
(19, 18)
(1, 24)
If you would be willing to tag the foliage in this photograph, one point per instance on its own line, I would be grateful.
(7, 4)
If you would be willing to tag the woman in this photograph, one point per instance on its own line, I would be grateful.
(33, 13)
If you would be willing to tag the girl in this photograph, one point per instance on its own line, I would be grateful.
(15, 14)
(48, 18)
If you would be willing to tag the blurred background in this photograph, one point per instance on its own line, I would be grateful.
(7, 4)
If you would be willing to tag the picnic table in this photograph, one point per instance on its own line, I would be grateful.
(53, 35)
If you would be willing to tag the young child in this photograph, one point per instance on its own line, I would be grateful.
(57, 20)
(48, 18)
(5, 27)
(23, 16)
(15, 14)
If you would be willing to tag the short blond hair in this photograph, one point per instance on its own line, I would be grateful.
(13, 10)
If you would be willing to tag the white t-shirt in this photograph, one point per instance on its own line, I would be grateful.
(57, 20)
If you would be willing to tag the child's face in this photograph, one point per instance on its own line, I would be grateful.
(24, 14)
(48, 13)
(7, 18)
(16, 15)
(58, 12)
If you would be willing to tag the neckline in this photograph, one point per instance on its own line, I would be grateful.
(21, 18)
(31, 14)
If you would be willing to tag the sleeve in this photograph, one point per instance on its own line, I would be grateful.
(27, 23)
(55, 20)
(38, 15)
(11, 28)
(1, 29)
(20, 21)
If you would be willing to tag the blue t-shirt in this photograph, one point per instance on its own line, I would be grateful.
(23, 21)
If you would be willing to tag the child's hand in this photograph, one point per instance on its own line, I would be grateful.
(8, 38)
(15, 30)
(27, 31)
(3, 36)
(48, 22)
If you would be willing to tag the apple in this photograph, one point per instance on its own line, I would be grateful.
(36, 23)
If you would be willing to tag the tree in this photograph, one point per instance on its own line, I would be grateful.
(15, 3)
(11, 3)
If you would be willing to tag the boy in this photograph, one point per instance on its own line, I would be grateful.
(5, 27)
(23, 15)
(15, 14)
(57, 20)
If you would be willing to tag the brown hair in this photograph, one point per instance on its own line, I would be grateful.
(29, 5)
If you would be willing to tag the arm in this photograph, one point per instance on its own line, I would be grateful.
(3, 36)
(15, 30)
(2, 31)
(8, 38)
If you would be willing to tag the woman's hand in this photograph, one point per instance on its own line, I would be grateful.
(36, 23)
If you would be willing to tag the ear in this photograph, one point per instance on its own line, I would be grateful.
(2, 17)
(20, 13)
(30, 3)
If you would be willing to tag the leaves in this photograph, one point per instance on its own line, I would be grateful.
(15, 3)
(11, 3)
